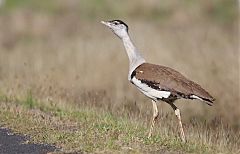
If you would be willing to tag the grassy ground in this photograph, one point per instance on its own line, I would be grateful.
(75, 129)
(59, 83)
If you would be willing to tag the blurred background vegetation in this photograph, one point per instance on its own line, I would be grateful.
(221, 11)
(59, 51)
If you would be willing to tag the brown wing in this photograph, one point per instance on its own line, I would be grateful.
(168, 79)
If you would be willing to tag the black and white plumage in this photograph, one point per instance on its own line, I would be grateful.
(164, 83)
(155, 81)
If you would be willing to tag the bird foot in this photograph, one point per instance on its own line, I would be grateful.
(183, 138)
(149, 135)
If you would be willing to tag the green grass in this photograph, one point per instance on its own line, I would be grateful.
(44, 6)
(221, 11)
(29, 101)
(224, 12)
(85, 129)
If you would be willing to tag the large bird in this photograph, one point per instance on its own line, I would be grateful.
(155, 81)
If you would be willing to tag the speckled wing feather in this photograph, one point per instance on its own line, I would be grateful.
(165, 78)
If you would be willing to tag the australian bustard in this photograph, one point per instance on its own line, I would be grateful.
(155, 81)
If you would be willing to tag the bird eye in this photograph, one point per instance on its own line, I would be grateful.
(115, 23)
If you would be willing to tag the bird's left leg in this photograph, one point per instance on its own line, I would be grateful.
(177, 113)
(155, 115)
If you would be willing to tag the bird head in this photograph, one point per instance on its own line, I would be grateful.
(118, 27)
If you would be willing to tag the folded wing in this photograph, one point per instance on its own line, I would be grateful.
(167, 79)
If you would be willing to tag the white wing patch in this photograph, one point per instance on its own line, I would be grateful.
(196, 97)
(150, 92)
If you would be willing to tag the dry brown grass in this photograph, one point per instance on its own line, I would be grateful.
(65, 58)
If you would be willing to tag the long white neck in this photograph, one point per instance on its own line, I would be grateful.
(135, 58)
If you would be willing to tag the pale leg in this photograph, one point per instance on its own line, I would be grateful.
(155, 115)
(177, 113)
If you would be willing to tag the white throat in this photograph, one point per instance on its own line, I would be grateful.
(135, 58)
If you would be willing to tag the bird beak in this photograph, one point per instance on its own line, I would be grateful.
(106, 23)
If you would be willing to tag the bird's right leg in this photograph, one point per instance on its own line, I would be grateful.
(177, 113)
(155, 115)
